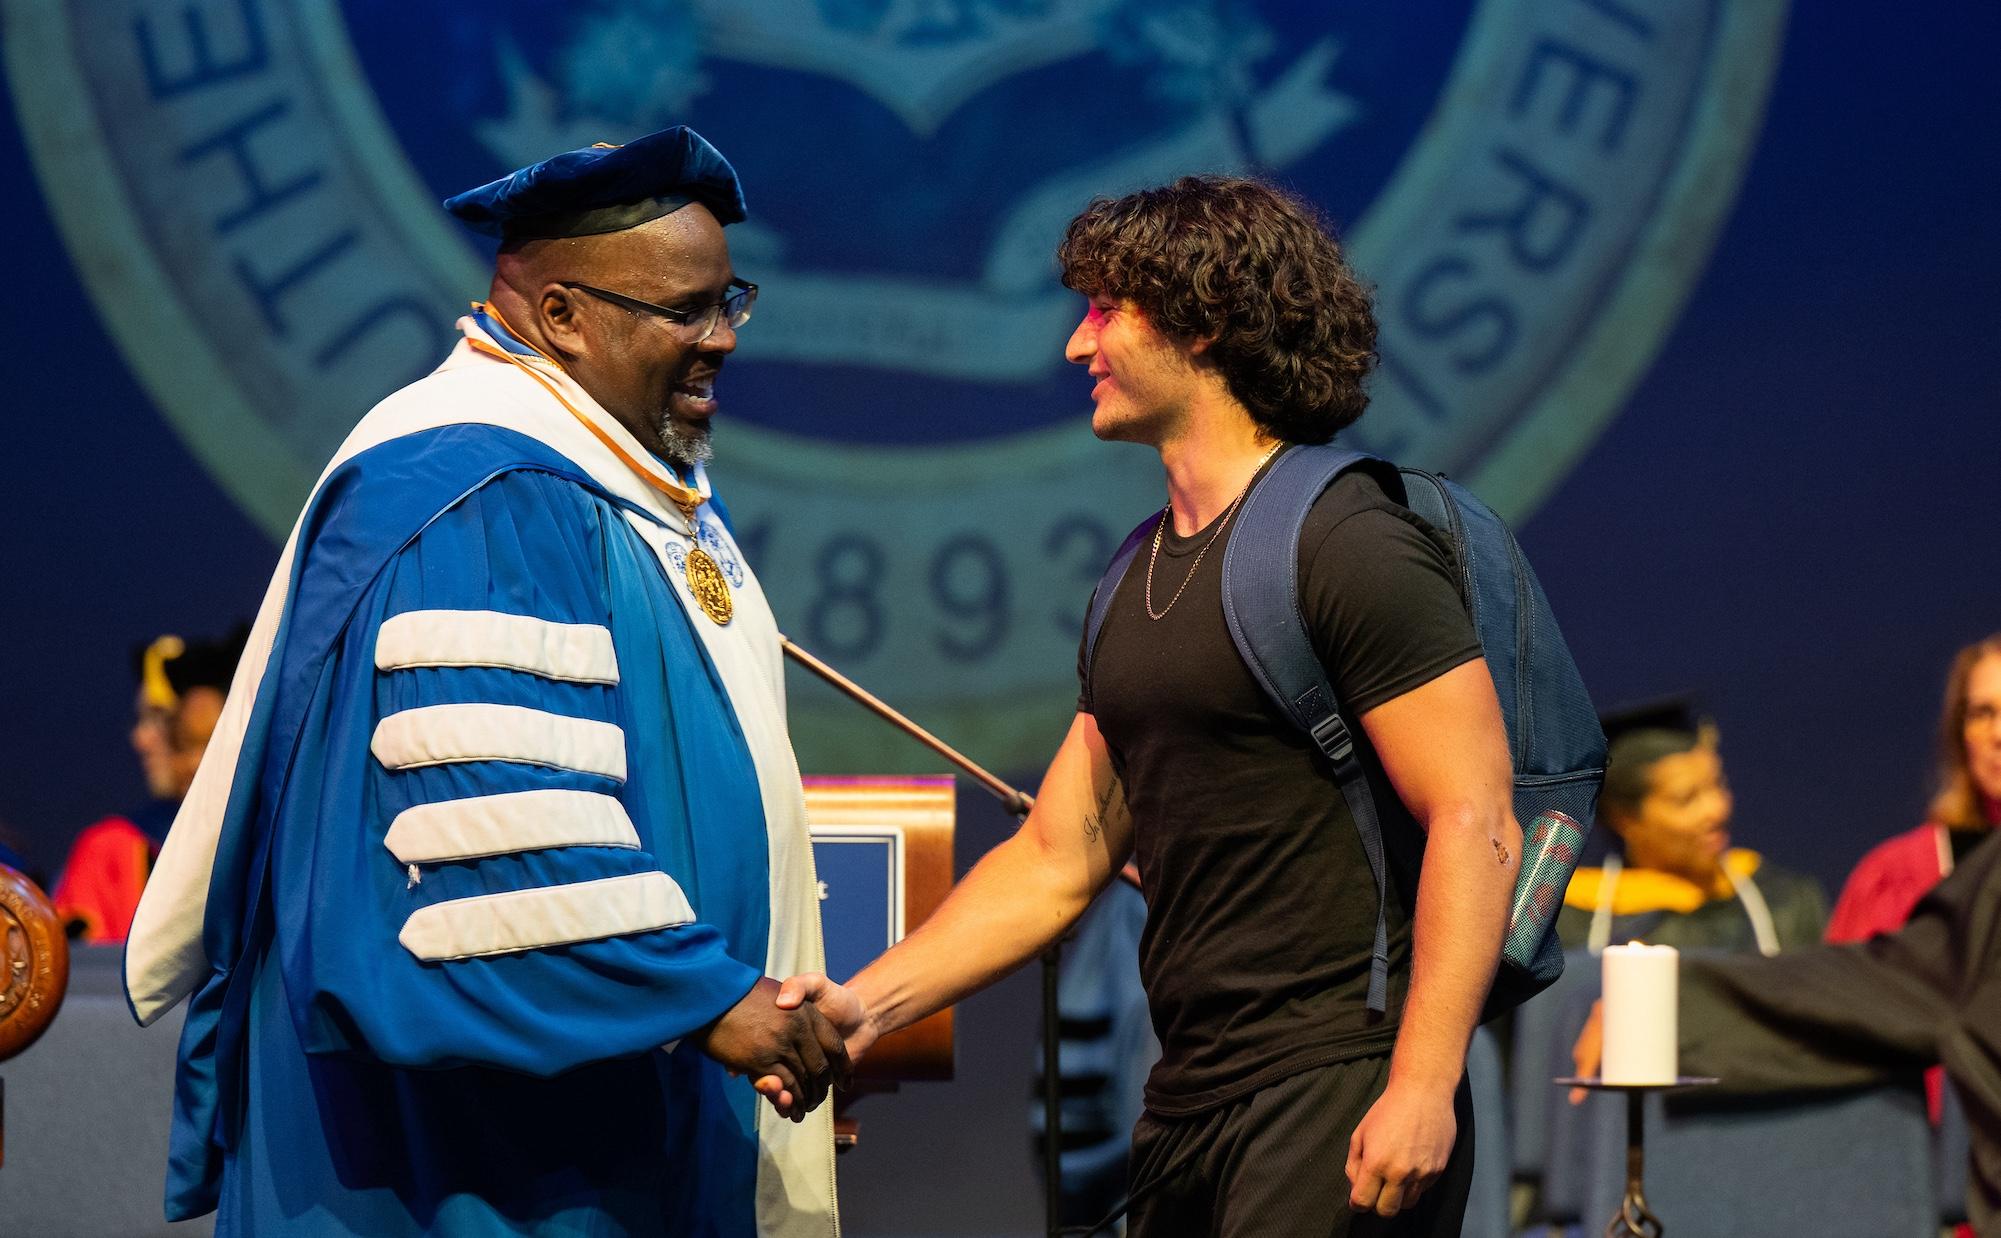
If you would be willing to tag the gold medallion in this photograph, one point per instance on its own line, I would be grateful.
(705, 581)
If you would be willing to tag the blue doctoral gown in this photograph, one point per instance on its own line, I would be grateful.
(495, 840)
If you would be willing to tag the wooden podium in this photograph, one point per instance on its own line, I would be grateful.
(883, 848)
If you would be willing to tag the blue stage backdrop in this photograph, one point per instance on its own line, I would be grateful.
(1700, 292)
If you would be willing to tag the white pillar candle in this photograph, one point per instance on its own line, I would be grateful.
(1640, 1014)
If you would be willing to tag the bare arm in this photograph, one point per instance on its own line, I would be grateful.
(1445, 749)
(1017, 900)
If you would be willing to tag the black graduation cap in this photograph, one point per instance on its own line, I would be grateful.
(168, 666)
(1669, 715)
(208, 663)
(604, 188)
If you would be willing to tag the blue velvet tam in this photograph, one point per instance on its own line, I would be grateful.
(604, 188)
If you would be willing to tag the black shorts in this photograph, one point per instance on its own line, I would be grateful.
(1275, 1163)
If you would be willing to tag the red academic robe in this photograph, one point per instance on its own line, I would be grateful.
(103, 877)
(1879, 894)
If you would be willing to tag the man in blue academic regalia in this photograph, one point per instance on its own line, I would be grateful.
(478, 892)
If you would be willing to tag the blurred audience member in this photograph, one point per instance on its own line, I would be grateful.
(1879, 895)
(181, 689)
(1890, 880)
(1106, 1051)
(1674, 879)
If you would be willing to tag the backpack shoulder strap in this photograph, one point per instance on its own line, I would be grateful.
(1108, 585)
(1261, 583)
(1261, 607)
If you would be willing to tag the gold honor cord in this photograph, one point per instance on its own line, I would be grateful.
(705, 579)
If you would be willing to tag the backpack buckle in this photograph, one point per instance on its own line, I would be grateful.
(1331, 734)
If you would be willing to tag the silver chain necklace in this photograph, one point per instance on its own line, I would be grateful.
(1166, 514)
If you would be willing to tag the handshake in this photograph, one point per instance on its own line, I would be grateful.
(796, 1041)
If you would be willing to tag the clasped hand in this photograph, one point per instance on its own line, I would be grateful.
(792, 1050)
(838, 1006)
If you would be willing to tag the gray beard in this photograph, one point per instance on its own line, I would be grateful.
(684, 446)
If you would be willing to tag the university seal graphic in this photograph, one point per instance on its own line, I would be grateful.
(250, 190)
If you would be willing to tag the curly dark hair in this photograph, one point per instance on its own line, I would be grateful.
(1254, 270)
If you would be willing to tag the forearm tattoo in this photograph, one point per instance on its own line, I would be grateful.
(1500, 851)
(1094, 822)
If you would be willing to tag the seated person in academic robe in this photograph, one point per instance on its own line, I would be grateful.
(1879, 895)
(1673, 878)
(1890, 880)
(181, 690)
(1865, 1014)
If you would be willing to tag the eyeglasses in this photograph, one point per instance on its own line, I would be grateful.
(735, 308)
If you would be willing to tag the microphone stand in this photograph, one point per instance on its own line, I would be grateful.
(1017, 803)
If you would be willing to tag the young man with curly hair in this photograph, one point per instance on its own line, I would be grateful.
(1223, 325)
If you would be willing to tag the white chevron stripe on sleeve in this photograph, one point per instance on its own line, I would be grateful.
(464, 928)
(443, 734)
(479, 825)
(575, 652)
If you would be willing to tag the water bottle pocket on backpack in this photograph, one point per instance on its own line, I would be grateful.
(1554, 811)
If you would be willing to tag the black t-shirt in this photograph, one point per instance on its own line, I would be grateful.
(1261, 910)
